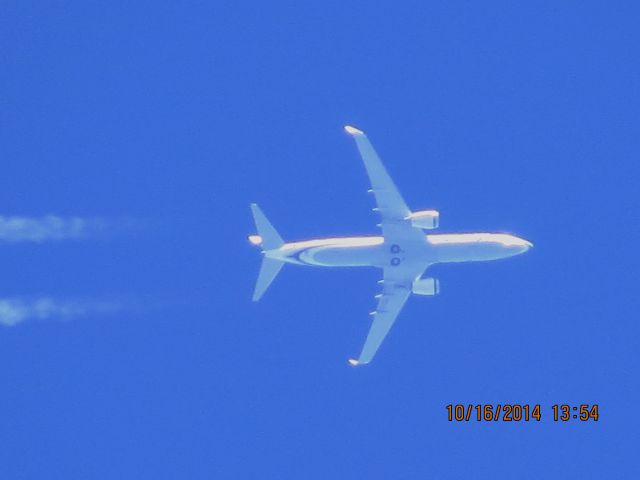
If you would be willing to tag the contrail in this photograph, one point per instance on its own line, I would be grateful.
(16, 310)
(54, 227)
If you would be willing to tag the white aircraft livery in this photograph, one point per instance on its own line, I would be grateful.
(403, 252)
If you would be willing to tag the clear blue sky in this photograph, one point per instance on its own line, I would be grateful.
(518, 118)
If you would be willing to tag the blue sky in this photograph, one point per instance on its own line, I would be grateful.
(509, 117)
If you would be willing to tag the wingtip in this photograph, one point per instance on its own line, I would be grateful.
(353, 130)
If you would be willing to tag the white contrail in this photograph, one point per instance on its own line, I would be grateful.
(54, 227)
(16, 310)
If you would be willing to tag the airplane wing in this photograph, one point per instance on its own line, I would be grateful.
(401, 237)
(396, 289)
(390, 204)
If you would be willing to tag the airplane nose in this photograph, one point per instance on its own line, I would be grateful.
(525, 245)
(520, 244)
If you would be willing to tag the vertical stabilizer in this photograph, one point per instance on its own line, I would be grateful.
(268, 239)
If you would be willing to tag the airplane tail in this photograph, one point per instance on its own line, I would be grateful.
(268, 239)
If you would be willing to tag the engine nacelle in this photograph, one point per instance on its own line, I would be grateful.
(426, 286)
(425, 219)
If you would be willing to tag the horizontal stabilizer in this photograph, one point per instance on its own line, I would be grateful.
(268, 272)
(270, 239)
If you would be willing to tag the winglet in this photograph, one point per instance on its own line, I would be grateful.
(353, 130)
(353, 362)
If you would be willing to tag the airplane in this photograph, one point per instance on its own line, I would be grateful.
(403, 252)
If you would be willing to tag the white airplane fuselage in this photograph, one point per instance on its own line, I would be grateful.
(403, 253)
(371, 251)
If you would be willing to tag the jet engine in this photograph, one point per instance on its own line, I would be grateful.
(425, 219)
(426, 286)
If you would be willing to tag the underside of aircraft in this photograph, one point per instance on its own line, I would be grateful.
(403, 252)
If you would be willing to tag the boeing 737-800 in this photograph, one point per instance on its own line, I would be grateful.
(403, 252)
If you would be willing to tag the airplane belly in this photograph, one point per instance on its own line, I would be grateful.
(470, 252)
(341, 256)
